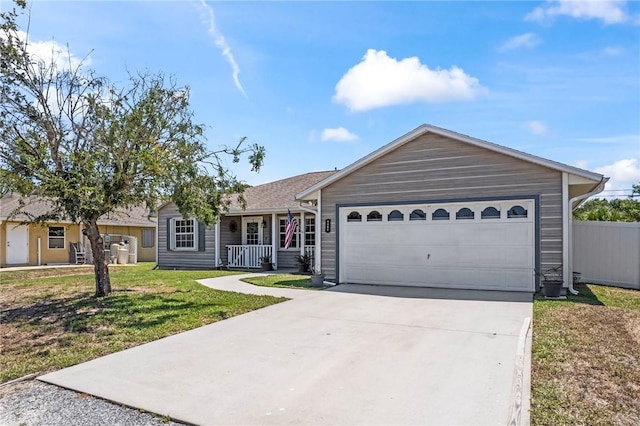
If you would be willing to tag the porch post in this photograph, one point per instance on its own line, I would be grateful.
(275, 228)
(301, 233)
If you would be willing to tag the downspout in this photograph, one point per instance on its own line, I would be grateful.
(316, 265)
(597, 189)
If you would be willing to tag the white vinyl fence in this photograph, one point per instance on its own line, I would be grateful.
(607, 252)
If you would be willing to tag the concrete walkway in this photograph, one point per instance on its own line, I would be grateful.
(339, 356)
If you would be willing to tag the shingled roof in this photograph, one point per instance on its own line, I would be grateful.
(278, 195)
(37, 206)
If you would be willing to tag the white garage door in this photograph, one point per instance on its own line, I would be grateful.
(473, 245)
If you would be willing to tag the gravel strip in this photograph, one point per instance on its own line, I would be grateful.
(33, 403)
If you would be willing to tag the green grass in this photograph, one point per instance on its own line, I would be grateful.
(586, 358)
(50, 318)
(283, 281)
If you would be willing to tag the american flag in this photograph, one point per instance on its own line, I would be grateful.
(290, 229)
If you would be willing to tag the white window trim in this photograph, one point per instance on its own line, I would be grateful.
(173, 235)
(64, 238)
(297, 233)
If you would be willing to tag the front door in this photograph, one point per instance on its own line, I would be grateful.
(17, 244)
(252, 231)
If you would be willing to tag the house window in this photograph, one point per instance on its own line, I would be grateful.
(418, 214)
(374, 216)
(147, 238)
(395, 215)
(440, 214)
(184, 231)
(310, 232)
(283, 234)
(354, 217)
(490, 213)
(516, 212)
(465, 213)
(56, 237)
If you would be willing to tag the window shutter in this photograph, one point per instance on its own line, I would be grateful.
(169, 231)
(201, 236)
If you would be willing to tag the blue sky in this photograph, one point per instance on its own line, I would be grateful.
(321, 84)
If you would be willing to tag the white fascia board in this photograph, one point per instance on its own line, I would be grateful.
(425, 128)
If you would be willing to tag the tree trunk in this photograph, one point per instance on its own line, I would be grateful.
(100, 268)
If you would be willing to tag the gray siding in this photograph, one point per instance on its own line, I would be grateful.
(434, 167)
(168, 259)
(227, 237)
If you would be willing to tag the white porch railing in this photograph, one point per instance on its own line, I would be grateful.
(247, 256)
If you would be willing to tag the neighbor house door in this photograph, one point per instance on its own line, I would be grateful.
(17, 244)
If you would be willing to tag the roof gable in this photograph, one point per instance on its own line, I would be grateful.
(425, 128)
(278, 195)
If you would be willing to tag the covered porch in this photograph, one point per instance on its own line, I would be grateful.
(246, 239)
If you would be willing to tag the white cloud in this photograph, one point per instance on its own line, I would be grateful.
(338, 134)
(380, 80)
(221, 43)
(623, 174)
(609, 11)
(51, 52)
(613, 51)
(523, 40)
(536, 127)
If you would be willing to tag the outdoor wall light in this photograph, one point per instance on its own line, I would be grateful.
(264, 224)
(327, 225)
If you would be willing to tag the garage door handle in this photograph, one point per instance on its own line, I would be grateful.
(428, 256)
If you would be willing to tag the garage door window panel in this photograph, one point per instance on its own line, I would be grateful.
(490, 213)
(465, 213)
(440, 214)
(517, 212)
(418, 214)
(395, 216)
(354, 217)
(374, 216)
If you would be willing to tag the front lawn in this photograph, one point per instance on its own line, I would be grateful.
(283, 281)
(586, 358)
(51, 320)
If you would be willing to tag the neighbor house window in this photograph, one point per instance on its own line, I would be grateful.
(147, 238)
(56, 237)
(184, 231)
(310, 232)
(283, 234)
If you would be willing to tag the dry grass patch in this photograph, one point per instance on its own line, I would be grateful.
(586, 358)
(51, 320)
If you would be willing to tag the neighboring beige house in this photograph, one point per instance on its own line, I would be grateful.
(35, 244)
(432, 208)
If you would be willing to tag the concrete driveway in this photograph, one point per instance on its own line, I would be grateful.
(344, 356)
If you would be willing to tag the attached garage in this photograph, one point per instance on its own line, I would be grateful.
(487, 245)
(436, 208)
